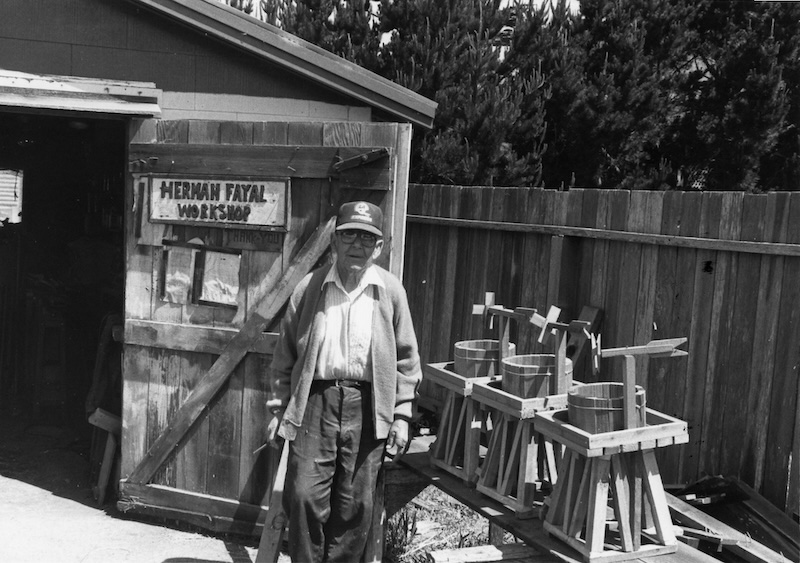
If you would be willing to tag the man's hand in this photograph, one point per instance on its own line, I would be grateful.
(272, 432)
(397, 442)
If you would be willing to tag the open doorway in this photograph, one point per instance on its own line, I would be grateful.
(61, 261)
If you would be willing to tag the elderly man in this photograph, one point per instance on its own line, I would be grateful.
(348, 356)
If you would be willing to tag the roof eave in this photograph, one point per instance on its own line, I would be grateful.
(277, 46)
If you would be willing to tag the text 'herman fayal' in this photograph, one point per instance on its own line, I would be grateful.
(218, 201)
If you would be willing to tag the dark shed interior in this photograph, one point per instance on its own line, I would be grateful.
(62, 267)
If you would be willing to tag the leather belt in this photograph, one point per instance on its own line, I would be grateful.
(354, 383)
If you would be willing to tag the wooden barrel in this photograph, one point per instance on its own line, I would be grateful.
(528, 375)
(478, 358)
(598, 407)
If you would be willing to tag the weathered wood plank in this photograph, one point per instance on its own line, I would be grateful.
(223, 515)
(211, 383)
(662, 384)
(724, 302)
(762, 364)
(701, 329)
(427, 284)
(236, 133)
(701, 242)
(165, 311)
(305, 133)
(204, 132)
(672, 316)
(270, 133)
(616, 302)
(139, 282)
(598, 274)
(587, 250)
(172, 131)
(445, 302)
(277, 161)
(255, 472)
(342, 134)
(780, 468)
(473, 255)
(192, 457)
(653, 205)
(225, 437)
(743, 330)
(489, 553)
(162, 399)
(134, 408)
(687, 266)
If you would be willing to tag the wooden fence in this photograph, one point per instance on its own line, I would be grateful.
(722, 269)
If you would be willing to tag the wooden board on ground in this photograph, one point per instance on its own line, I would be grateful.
(530, 531)
(490, 554)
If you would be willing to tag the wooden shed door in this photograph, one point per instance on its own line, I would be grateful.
(223, 220)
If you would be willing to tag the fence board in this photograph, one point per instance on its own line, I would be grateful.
(664, 382)
(737, 373)
(445, 302)
(763, 358)
(721, 325)
(718, 268)
(530, 264)
(615, 303)
(678, 376)
(645, 296)
(781, 448)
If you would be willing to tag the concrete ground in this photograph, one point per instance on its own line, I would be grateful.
(48, 513)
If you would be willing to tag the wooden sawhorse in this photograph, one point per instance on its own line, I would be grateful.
(463, 421)
(622, 461)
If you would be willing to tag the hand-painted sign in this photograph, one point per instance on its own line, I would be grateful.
(223, 202)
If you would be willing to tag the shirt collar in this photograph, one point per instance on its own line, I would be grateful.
(371, 277)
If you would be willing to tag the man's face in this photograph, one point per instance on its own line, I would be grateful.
(356, 250)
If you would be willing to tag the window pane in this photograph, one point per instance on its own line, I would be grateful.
(220, 278)
(10, 196)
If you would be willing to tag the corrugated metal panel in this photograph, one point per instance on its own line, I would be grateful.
(10, 195)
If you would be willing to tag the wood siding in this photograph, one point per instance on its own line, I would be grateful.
(116, 40)
(721, 269)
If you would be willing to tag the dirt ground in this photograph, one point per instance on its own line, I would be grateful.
(48, 513)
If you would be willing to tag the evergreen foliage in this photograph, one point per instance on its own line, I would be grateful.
(636, 94)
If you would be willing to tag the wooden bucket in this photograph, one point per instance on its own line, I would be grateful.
(528, 376)
(598, 407)
(478, 358)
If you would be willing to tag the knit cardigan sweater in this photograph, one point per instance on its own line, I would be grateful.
(394, 350)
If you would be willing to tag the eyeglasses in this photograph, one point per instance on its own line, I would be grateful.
(368, 240)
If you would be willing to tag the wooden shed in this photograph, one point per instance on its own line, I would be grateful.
(177, 164)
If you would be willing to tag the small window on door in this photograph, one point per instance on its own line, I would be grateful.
(194, 273)
(217, 278)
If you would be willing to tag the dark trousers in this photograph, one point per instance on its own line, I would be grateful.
(332, 472)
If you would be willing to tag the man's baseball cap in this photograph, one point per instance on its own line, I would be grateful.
(360, 215)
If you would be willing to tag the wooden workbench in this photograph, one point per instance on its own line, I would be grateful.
(530, 530)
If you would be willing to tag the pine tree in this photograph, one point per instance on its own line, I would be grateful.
(341, 27)
(629, 49)
(634, 94)
(741, 92)
(450, 52)
(544, 48)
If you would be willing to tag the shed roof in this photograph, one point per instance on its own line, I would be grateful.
(234, 27)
